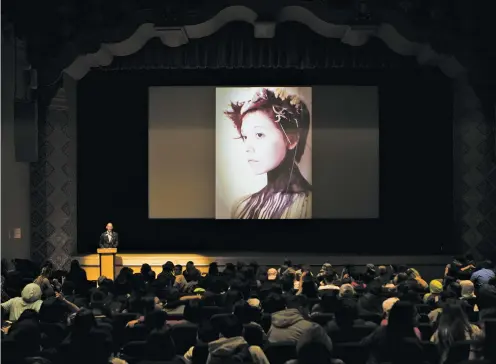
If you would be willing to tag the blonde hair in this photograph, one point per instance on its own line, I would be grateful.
(346, 290)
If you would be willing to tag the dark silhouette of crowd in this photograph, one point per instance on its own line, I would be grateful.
(244, 313)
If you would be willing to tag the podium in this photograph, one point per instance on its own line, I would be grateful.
(107, 262)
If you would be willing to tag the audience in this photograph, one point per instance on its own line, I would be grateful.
(247, 313)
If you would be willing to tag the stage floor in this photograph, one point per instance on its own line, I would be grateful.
(430, 266)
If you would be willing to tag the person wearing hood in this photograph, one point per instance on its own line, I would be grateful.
(232, 347)
(288, 324)
(30, 300)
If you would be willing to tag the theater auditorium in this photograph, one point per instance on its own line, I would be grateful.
(137, 136)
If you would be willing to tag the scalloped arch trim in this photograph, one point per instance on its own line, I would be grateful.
(351, 35)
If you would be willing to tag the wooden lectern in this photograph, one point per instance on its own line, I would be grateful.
(107, 262)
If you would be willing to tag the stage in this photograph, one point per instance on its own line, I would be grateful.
(430, 266)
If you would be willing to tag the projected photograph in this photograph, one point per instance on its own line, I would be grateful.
(263, 153)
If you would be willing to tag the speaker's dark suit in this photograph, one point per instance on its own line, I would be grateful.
(106, 243)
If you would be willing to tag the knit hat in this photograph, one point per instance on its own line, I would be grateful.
(31, 293)
(435, 286)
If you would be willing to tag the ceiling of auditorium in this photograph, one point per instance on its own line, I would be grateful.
(57, 32)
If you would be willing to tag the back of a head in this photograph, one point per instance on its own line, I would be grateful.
(155, 319)
(160, 345)
(346, 312)
(75, 265)
(274, 303)
(313, 348)
(192, 311)
(31, 293)
(346, 291)
(296, 301)
(453, 323)
(84, 321)
(206, 332)
(401, 320)
(95, 347)
(230, 326)
(213, 269)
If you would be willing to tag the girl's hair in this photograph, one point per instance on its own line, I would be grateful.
(293, 119)
(453, 325)
(46, 272)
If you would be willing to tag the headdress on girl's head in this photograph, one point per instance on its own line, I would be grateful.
(286, 107)
(290, 113)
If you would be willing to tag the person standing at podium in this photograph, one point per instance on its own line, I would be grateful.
(109, 239)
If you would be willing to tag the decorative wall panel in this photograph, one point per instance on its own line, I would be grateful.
(474, 169)
(53, 192)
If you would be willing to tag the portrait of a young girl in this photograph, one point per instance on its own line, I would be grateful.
(263, 158)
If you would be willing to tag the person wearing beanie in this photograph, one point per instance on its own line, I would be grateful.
(30, 300)
(435, 289)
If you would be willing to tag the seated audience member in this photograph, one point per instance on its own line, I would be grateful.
(445, 297)
(161, 347)
(346, 291)
(454, 326)
(468, 294)
(387, 343)
(145, 306)
(384, 275)
(435, 289)
(178, 270)
(232, 347)
(387, 305)
(414, 275)
(288, 324)
(95, 347)
(166, 277)
(147, 273)
(56, 309)
(206, 334)
(459, 268)
(311, 350)
(98, 304)
(486, 299)
(249, 314)
(191, 272)
(327, 283)
(371, 302)
(346, 317)
(77, 275)
(327, 271)
(390, 290)
(26, 336)
(308, 287)
(483, 274)
(30, 300)
(370, 273)
(328, 303)
(43, 280)
(123, 284)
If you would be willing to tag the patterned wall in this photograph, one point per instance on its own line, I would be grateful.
(53, 187)
(474, 175)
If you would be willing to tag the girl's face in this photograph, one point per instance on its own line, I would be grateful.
(265, 143)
